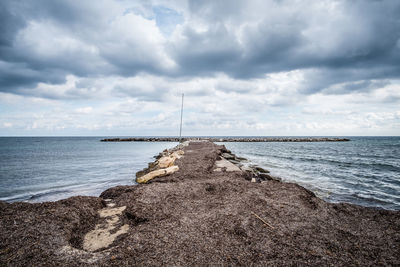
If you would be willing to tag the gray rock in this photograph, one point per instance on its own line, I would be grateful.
(229, 139)
(229, 167)
(261, 170)
(264, 176)
(246, 168)
(234, 161)
(228, 156)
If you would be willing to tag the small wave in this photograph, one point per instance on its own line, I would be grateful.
(48, 193)
(385, 166)
(369, 198)
(345, 163)
(14, 198)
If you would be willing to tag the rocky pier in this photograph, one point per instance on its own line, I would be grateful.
(227, 139)
(199, 204)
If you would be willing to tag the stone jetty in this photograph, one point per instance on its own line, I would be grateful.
(216, 209)
(227, 139)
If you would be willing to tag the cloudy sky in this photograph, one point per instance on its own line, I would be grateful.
(278, 67)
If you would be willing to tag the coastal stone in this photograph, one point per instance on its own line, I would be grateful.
(166, 162)
(177, 154)
(261, 170)
(111, 212)
(228, 156)
(253, 180)
(182, 145)
(152, 165)
(264, 176)
(246, 168)
(227, 139)
(141, 173)
(157, 173)
(165, 159)
(234, 161)
(277, 179)
(107, 231)
(228, 166)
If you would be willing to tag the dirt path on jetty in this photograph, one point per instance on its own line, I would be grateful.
(198, 216)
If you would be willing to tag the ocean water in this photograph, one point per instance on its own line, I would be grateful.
(37, 169)
(364, 171)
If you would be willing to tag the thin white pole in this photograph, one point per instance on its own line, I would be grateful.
(180, 131)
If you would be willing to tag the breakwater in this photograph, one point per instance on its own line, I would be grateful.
(212, 211)
(227, 139)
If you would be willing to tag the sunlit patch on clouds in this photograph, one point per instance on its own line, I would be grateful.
(245, 67)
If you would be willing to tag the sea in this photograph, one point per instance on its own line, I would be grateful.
(364, 171)
(37, 169)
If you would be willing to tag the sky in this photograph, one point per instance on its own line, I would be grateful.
(246, 68)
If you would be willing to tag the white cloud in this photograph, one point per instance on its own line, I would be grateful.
(131, 41)
(246, 67)
(84, 110)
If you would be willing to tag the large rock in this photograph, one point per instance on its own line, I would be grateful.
(225, 164)
(169, 160)
(157, 173)
(228, 156)
(177, 154)
(166, 162)
(261, 170)
(107, 230)
(246, 168)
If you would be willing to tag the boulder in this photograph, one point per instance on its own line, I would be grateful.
(166, 162)
(157, 173)
(234, 161)
(261, 170)
(177, 154)
(226, 165)
(264, 176)
(141, 173)
(228, 156)
(246, 169)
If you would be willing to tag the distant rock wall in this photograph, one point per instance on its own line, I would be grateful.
(227, 139)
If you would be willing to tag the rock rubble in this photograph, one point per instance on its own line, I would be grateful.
(226, 139)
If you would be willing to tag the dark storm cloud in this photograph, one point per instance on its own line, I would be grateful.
(15, 76)
(10, 23)
(363, 35)
(204, 53)
(21, 66)
(322, 79)
(346, 43)
(53, 39)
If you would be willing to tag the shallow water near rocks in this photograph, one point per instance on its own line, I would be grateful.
(364, 171)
